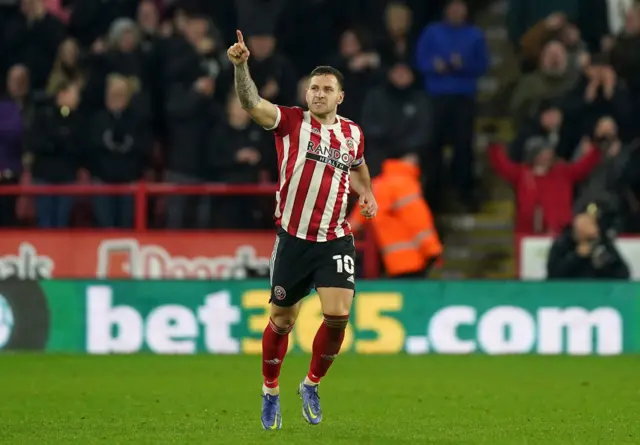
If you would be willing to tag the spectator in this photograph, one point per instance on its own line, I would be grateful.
(119, 54)
(124, 55)
(148, 20)
(553, 78)
(360, 65)
(630, 184)
(11, 139)
(18, 89)
(551, 126)
(195, 53)
(606, 183)
(598, 93)
(601, 20)
(66, 68)
(583, 251)
(92, 19)
(32, 39)
(237, 155)
(396, 43)
(625, 55)
(259, 17)
(56, 143)
(554, 27)
(272, 72)
(452, 55)
(119, 144)
(543, 185)
(152, 46)
(191, 115)
(404, 226)
(524, 14)
(395, 117)
(60, 9)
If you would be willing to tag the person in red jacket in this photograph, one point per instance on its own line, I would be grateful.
(544, 186)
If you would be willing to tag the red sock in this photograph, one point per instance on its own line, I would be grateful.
(326, 345)
(275, 341)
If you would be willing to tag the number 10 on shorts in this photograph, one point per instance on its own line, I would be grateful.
(344, 263)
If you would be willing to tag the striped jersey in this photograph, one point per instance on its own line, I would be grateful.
(314, 161)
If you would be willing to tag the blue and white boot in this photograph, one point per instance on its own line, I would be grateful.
(271, 417)
(311, 410)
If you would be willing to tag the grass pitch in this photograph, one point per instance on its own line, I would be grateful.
(366, 400)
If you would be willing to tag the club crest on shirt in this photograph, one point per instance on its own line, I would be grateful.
(350, 143)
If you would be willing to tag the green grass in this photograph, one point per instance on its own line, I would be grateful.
(366, 400)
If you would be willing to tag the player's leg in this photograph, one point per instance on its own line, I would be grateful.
(289, 284)
(335, 283)
(275, 342)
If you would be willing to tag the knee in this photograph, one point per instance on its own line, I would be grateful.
(283, 319)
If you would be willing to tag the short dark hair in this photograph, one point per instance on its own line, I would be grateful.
(325, 70)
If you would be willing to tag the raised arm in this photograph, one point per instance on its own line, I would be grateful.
(261, 110)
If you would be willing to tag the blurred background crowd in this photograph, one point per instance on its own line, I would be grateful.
(117, 91)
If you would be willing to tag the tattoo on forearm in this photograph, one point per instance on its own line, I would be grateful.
(245, 87)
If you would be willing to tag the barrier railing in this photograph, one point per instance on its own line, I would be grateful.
(141, 191)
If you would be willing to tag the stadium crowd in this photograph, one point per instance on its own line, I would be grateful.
(575, 108)
(116, 91)
(122, 90)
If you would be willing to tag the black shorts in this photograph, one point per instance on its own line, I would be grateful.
(298, 266)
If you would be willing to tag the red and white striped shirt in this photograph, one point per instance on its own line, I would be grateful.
(314, 162)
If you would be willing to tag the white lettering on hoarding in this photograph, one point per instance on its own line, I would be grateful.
(167, 329)
(514, 330)
(155, 262)
(575, 330)
(26, 265)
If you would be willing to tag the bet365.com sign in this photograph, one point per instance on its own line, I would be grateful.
(179, 317)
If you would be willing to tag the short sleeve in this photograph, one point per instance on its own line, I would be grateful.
(359, 160)
(286, 120)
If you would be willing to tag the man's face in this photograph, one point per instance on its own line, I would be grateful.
(69, 97)
(554, 59)
(196, 29)
(544, 160)
(118, 96)
(324, 94)
(127, 42)
(456, 12)
(398, 20)
(606, 128)
(148, 17)
(551, 119)
(585, 227)
(632, 21)
(261, 47)
(18, 82)
(401, 76)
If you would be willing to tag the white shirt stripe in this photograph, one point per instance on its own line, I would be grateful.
(304, 139)
(286, 143)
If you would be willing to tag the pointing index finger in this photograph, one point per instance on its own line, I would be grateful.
(240, 36)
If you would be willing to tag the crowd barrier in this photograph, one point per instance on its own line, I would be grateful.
(388, 317)
(143, 253)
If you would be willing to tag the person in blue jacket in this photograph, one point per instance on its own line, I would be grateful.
(452, 54)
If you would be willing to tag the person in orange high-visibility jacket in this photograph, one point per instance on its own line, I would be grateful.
(403, 226)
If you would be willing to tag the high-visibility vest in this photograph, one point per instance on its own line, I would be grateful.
(403, 226)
